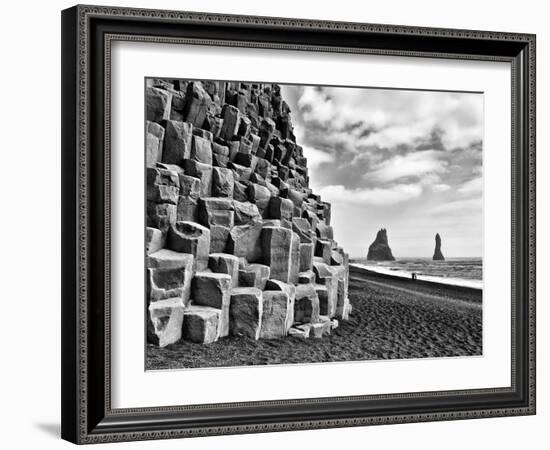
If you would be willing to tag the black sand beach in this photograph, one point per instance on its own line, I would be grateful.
(391, 319)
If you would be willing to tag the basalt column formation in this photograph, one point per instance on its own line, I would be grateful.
(237, 244)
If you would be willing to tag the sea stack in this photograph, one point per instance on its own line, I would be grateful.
(438, 256)
(379, 250)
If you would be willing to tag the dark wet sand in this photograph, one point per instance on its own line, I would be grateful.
(391, 319)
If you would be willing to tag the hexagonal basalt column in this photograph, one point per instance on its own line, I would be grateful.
(245, 312)
(213, 289)
(190, 237)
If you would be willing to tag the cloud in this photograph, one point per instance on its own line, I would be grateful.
(315, 105)
(414, 164)
(374, 197)
(389, 118)
(440, 187)
(459, 207)
(374, 138)
(474, 186)
(316, 157)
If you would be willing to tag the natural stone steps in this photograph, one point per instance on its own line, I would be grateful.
(237, 243)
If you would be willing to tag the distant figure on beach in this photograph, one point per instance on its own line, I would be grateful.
(380, 250)
(438, 256)
(413, 275)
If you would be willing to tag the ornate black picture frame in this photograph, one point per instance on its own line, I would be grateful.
(87, 35)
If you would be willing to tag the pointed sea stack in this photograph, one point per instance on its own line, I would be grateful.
(379, 250)
(438, 256)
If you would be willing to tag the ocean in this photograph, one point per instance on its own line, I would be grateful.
(459, 271)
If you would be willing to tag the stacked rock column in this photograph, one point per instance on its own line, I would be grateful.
(237, 242)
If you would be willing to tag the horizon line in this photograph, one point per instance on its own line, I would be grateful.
(426, 257)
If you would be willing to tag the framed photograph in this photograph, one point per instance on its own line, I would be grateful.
(280, 224)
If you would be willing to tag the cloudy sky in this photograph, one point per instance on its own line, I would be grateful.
(408, 161)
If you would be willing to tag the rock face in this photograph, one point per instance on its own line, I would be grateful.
(246, 312)
(237, 244)
(379, 250)
(438, 256)
(275, 314)
(165, 321)
(201, 324)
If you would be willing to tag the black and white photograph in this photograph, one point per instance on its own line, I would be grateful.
(311, 224)
(282, 219)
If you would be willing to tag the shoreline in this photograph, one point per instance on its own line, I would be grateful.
(438, 292)
(385, 272)
(392, 318)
